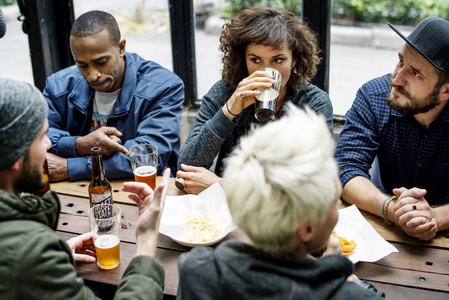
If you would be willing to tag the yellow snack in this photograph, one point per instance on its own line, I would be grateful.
(346, 246)
(205, 229)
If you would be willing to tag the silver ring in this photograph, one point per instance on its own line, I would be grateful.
(425, 220)
(242, 94)
(414, 206)
(419, 238)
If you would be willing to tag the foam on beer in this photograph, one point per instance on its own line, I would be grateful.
(145, 171)
(267, 94)
(106, 241)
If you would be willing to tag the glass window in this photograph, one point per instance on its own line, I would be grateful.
(144, 24)
(14, 50)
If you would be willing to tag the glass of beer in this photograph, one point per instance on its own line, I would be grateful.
(144, 163)
(106, 234)
(266, 101)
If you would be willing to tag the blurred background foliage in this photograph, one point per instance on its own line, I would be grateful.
(7, 2)
(406, 12)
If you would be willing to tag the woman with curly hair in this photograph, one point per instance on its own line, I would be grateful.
(255, 38)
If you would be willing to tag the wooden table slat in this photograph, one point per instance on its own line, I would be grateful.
(402, 277)
(397, 292)
(80, 189)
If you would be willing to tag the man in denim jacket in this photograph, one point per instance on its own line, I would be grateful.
(111, 99)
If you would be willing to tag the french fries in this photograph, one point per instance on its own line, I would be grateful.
(346, 246)
(205, 229)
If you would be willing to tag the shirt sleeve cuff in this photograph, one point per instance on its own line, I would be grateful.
(66, 146)
(78, 168)
(221, 125)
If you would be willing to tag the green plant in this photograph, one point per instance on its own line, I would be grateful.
(407, 12)
(7, 2)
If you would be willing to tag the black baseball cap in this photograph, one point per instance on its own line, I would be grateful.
(431, 39)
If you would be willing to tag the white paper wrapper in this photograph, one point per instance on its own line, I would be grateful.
(370, 245)
(211, 202)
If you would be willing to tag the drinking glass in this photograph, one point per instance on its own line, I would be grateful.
(266, 101)
(144, 163)
(105, 225)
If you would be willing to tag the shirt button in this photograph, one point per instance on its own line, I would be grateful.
(426, 136)
(419, 165)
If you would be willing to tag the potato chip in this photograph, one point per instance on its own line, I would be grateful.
(346, 246)
(205, 229)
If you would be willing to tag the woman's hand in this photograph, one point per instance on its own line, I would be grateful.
(246, 92)
(196, 179)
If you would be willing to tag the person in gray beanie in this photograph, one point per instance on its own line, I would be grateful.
(23, 111)
(35, 262)
(399, 126)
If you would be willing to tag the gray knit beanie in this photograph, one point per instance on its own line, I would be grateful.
(23, 111)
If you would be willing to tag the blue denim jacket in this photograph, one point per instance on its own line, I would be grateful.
(148, 110)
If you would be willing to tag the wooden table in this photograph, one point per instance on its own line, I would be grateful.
(420, 270)
(73, 221)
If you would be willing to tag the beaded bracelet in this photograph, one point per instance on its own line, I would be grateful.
(227, 108)
(385, 209)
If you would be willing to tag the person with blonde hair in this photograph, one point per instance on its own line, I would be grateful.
(283, 192)
(255, 38)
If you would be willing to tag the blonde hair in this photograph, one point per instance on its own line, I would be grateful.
(281, 175)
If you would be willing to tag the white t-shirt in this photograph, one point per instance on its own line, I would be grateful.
(104, 104)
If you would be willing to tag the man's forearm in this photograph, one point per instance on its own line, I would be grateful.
(364, 194)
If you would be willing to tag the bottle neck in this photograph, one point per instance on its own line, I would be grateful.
(97, 166)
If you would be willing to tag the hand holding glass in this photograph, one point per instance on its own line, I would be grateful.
(144, 163)
(266, 101)
(106, 234)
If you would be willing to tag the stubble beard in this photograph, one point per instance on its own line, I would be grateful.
(414, 105)
(31, 177)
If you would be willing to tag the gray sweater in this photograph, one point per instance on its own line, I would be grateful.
(213, 134)
(238, 271)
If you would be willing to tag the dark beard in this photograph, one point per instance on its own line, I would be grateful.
(415, 105)
(31, 177)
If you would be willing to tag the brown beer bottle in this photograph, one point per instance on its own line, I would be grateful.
(42, 191)
(100, 190)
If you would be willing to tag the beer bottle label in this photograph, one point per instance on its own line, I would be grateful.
(99, 202)
(102, 211)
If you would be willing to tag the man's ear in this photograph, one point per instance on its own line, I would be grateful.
(122, 46)
(17, 165)
(305, 231)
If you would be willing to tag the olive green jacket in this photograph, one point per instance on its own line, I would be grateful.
(35, 263)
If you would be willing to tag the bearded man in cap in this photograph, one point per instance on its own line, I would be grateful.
(399, 126)
(35, 263)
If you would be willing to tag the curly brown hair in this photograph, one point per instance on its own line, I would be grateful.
(269, 27)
